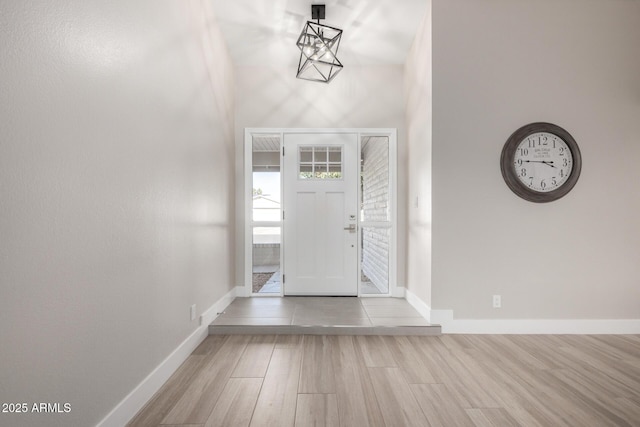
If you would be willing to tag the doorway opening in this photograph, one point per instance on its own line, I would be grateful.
(321, 212)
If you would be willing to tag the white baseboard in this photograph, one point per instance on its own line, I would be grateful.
(420, 306)
(450, 325)
(208, 316)
(139, 396)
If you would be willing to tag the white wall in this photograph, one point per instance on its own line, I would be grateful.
(360, 96)
(500, 64)
(116, 176)
(417, 86)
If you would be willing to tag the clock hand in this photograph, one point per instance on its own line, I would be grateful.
(550, 163)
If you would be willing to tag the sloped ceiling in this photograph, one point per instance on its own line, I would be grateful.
(376, 32)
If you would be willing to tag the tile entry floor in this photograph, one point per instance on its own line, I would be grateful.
(339, 312)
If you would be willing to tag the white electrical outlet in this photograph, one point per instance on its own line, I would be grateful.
(193, 312)
(497, 301)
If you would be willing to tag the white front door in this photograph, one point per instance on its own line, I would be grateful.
(320, 214)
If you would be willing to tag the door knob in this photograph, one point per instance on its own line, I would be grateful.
(351, 227)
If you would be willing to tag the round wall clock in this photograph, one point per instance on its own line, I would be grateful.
(540, 162)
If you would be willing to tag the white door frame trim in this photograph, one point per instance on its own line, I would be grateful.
(391, 133)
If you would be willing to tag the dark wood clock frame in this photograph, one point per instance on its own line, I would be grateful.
(509, 173)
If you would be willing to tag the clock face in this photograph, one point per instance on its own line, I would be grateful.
(543, 162)
(540, 162)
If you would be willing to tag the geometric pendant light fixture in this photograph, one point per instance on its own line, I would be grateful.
(318, 46)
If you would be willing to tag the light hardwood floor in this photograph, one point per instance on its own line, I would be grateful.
(449, 380)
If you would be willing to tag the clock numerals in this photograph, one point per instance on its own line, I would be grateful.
(542, 162)
(540, 140)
